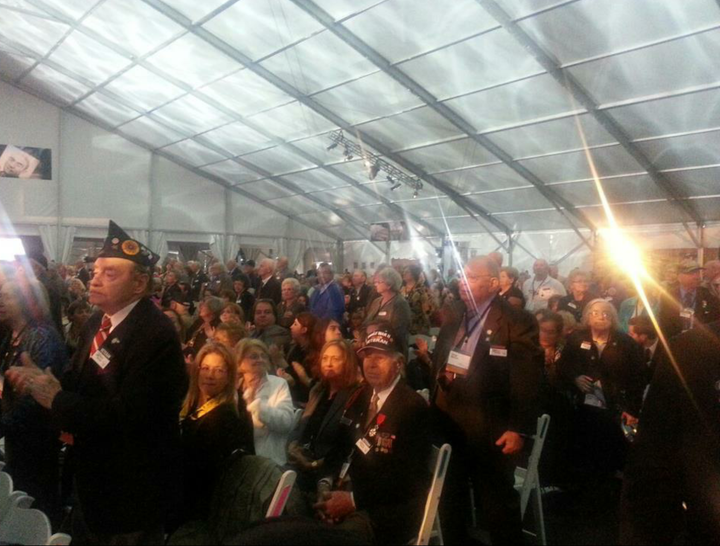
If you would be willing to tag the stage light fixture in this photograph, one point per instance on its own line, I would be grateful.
(332, 146)
(396, 186)
(415, 195)
(373, 171)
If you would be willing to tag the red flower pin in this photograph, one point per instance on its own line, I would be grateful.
(380, 419)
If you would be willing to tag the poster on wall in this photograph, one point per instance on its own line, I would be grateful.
(25, 162)
(389, 231)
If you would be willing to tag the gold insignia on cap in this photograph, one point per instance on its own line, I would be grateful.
(131, 248)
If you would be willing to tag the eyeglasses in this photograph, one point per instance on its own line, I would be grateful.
(598, 314)
(213, 371)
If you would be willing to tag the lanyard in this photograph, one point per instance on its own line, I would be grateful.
(472, 325)
(536, 291)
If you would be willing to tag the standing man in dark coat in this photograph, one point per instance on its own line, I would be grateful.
(83, 273)
(361, 292)
(120, 400)
(198, 281)
(487, 375)
(269, 288)
(687, 305)
(675, 460)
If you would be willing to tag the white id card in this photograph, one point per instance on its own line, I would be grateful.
(498, 351)
(102, 358)
(363, 445)
(586, 346)
(458, 363)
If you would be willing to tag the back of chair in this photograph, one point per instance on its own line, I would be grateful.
(438, 465)
(531, 475)
(60, 539)
(6, 491)
(25, 526)
(282, 494)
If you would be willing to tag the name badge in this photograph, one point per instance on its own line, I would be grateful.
(498, 351)
(102, 358)
(586, 346)
(572, 305)
(382, 314)
(687, 313)
(458, 363)
(363, 445)
(345, 421)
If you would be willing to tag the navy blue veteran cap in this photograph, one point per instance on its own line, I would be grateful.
(120, 245)
(381, 339)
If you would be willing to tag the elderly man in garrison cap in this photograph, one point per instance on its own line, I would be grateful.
(118, 403)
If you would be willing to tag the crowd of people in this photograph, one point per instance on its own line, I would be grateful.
(144, 381)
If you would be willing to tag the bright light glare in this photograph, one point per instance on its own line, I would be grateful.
(10, 248)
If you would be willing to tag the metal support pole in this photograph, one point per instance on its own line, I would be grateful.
(701, 250)
(339, 266)
(511, 250)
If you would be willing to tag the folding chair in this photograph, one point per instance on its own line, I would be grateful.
(6, 490)
(430, 526)
(29, 526)
(282, 494)
(527, 481)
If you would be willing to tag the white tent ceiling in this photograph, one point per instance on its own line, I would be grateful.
(484, 100)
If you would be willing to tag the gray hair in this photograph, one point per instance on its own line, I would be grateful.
(292, 282)
(578, 273)
(608, 307)
(390, 277)
(215, 305)
(269, 263)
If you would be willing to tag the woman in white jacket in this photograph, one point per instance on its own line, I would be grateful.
(267, 398)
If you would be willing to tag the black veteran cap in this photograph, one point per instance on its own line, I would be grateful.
(381, 339)
(120, 245)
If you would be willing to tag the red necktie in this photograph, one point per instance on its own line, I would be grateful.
(102, 335)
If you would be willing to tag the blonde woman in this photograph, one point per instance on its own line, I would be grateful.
(267, 398)
(212, 426)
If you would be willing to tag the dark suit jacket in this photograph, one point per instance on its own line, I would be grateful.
(327, 435)
(707, 310)
(621, 369)
(391, 482)
(271, 291)
(360, 299)
(207, 445)
(397, 312)
(125, 422)
(499, 393)
(676, 454)
(273, 335)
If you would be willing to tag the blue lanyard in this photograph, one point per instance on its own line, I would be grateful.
(473, 324)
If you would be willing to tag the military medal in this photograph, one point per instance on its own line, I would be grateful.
(378, 423)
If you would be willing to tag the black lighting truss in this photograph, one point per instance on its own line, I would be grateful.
(373, 163)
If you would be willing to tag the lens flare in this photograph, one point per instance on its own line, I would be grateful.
(629, 259)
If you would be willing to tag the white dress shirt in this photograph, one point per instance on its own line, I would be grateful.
(384, 394)
(121, 315)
